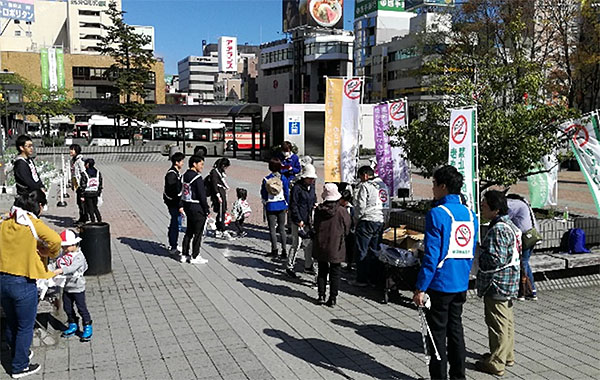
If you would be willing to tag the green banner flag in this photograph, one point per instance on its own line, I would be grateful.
(45, 69)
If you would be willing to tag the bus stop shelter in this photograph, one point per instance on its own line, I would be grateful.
(181, 113)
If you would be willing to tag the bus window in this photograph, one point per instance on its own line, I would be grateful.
(162, 133)
(146, 133)
(217, 135)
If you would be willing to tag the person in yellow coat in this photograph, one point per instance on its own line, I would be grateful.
(26, 243)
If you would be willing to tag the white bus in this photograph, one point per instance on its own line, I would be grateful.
(207, 134)
(101, 131)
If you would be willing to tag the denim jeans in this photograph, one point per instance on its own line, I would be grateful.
(19, 299)
(368, 237)
(525, 256)
(174, 226)
(79, 300)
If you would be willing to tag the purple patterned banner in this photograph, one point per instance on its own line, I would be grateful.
(383, 151)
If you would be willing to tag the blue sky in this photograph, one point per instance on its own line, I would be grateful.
(181, 25)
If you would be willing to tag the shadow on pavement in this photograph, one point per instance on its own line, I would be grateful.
(385, 335)
(339, 357)
(59, 221)
(281, 290)
(145, 246)
(254, 262)
(232, 246)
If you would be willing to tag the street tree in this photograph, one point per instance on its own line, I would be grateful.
(40, 102)
(132, 67)
(484, 59)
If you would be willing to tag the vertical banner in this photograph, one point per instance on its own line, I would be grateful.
(350, 127)
(333, 130)
(60, 69)
(543, 187)
(463, 134)
(341, 128)
(586, 146)
(52, 69)
(398, 118)
(45, 69)
(383, 151)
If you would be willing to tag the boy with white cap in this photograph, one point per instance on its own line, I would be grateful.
(302, 202)
(72, 264)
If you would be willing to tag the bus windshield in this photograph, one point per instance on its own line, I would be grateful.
(107, 132)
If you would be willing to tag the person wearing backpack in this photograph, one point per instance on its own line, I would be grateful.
(521, 215)
(275, 193)
(195, 206)
(217, 187)
(91, 185)
(172, 199)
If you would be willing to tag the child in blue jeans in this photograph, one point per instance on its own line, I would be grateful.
(72, 264)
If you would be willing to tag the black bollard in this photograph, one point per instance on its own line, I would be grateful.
(95, 245)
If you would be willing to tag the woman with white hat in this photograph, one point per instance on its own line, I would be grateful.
(302, 202)
(332, 224)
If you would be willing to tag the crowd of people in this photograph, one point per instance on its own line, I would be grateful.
(346, 226)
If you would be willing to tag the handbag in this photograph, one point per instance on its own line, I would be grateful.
(530, 237)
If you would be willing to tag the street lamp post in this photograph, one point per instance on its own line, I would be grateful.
(12, 94)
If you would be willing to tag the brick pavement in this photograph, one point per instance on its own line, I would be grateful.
(240, 317)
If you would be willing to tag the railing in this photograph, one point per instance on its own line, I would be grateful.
(90, 150)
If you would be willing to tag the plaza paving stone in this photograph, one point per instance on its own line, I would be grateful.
(240, 317)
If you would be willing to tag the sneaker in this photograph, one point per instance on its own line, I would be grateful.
(486, 367)
(71, 330)
(30, 370)
(183, 259)
(198, 260)
(227, 236)
(174, 252)
(509, 363)
(243, 234)
(87, 333)
(358, 284)
(218, 234)
(532, 298)
(521, 298)
(310, 271)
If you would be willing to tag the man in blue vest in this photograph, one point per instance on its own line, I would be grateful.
(450, 240)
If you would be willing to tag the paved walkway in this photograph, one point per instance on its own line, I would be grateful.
(240, 317)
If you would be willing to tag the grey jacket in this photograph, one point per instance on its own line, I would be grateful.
(73, 265)
(368, 206)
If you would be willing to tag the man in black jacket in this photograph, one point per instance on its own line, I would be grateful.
(302, 203)
(172, 198)
(196, 209)
(26, 175)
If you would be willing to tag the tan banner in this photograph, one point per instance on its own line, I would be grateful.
(333, 130)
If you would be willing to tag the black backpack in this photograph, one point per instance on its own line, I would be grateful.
(208, 188)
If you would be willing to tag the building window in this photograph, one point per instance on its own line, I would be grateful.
(17, 33)
(28, 33)
(83, 12)
(16, 21)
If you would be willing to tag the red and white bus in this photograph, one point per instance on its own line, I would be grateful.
(243, 136)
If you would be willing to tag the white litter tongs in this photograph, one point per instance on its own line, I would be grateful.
(426, 331)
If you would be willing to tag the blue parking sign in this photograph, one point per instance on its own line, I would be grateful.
(294, 128)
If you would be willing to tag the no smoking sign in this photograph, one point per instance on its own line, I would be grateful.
(581, 135)
(463, 235)
(459, 129)
(352, 88)
(397, 110)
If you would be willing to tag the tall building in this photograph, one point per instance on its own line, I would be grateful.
(377, 22)
(197, 76)
(77, 26)
(220, 75)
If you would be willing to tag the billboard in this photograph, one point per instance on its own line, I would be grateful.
(228, 54)
(412, 4)
(17, 10)
(319, 13)
(364, 7)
